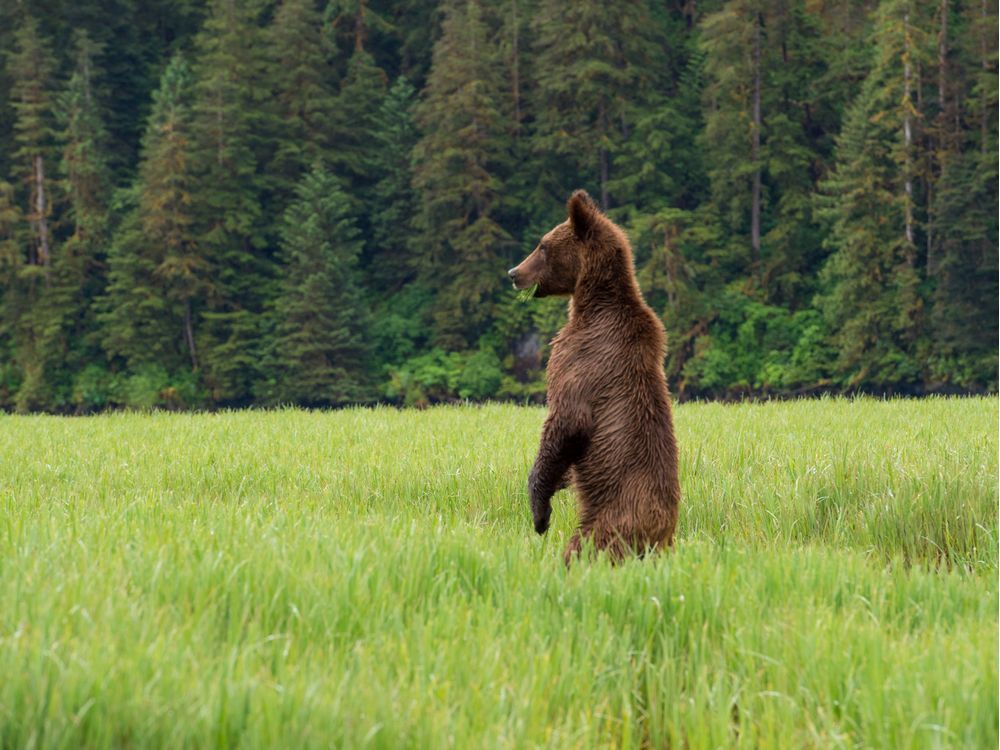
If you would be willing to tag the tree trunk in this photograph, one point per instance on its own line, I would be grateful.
(908, 140)
(755, 149)
(943, 134)
(985, 35)
(42, 225)
(602, 125)
(359, 27)
(605, 197)
(671, 264)
(515, 73)
(189, 334)
(690, 12)
(943, 67)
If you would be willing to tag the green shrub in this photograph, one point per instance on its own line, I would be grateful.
(95, 388)
(144, 388)
(480, 375)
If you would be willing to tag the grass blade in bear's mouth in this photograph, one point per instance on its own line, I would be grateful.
(527, 293)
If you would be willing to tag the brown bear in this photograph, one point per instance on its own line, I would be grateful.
(610, 428)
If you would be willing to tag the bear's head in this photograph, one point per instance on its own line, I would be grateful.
(569, 250)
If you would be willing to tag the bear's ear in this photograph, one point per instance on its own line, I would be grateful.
(583, 214)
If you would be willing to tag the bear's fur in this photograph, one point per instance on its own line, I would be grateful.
(610, 428)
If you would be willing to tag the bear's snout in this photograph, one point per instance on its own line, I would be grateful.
(513, 276)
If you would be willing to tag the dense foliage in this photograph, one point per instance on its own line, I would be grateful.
(226, 202)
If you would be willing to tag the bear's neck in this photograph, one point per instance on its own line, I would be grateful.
(608, 283)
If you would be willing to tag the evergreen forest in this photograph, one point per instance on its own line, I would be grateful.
(225, 203)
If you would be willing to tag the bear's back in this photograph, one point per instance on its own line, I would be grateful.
(609, 363)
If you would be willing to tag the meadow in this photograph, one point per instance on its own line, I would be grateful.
(370, 578)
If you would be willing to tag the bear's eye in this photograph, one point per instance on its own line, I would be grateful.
(542, 248)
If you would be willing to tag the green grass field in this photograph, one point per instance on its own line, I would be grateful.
(370, 578)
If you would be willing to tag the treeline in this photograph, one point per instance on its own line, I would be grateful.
(232, 202)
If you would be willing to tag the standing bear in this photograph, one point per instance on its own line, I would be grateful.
(610, 429)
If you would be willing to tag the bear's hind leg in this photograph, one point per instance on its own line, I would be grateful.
(615, 546)
(573, 548)
(619, 542)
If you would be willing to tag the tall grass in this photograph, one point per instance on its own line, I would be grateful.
(369, 578)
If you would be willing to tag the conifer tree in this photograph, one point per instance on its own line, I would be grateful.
(321, 353)
(32, 318)
(730, 37)
(401, 298)
(11, 228)
(592, 59)
(158, 279)
(354, 130)
(761, 61)
(299, 74)
(84, 167)
(796, 149)
(165, 203)
(227, 190)
(961, 261)
(514, 53)
(31, 68)
(12, 258)
(395, 134)
(79, 267)
(522, 200)
(355, 120)
(873, 302)
(460, 164)
(351, 23)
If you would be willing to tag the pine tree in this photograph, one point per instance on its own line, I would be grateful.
(962, 227)
(158, 278)
(525, 206)
(84, 167)
(31, 67)
(31, 316)
(137, 39)
(354, 129)
(796, 150)
(873, 302)
(394, 136)
(137, 326)
(229, 226)
(592, 59)
(732, 44)
(459, 167)
(320, 353)
(351, 23)
(12, 258)
(79, 267)
(355, 120)
(762, 61)
(514, 53)
(304, 104)
(12, 255)
(165, 202)
(400, 296)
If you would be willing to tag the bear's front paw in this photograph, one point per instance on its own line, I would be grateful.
(541, 516)
(541, 509)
